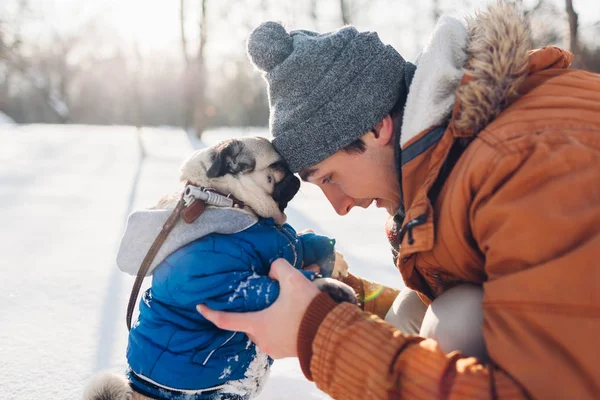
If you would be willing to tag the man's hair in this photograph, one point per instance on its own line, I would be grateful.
(358, 146)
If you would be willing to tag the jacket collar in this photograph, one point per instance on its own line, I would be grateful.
(460, 83)
(429, 103)
(432, 92)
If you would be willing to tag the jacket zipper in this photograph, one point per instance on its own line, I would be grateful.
(420, 220)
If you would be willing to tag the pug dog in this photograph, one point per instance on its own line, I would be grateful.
(247, 168)
(220, 258)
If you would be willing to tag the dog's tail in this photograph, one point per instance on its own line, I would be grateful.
(108, 386)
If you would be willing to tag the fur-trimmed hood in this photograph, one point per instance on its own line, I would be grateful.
(492, 47)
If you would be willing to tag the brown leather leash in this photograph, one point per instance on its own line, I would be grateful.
(160, 239)
(189, 211)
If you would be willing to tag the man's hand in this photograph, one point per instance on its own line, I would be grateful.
(274, 329)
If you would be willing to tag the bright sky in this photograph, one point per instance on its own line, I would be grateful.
(157, 25)
(154, 24)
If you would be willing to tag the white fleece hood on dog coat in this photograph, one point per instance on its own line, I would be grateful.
(143, 226)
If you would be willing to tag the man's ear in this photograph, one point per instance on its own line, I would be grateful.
(383, 133)
(231, 157)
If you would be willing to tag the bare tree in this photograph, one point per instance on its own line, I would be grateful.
(188, 104)
(573, 30)
(313, 12)
(182, 31)
(436, 10)
(200, 110)
(350, 10)
(345, 12)
(138, 107)
(58, 74)
(194, 81)
(10, 48)
(44, 70)
(543, 18)
(49, 74)
(533, 9)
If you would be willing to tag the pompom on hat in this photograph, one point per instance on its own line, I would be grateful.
(269, 45)
(325, 90)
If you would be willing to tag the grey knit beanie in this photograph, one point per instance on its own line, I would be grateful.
(325, 90)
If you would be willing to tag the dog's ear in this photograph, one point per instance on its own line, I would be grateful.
(231, 157)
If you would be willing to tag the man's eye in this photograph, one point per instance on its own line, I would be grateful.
(327, 179)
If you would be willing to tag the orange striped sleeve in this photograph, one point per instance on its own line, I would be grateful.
(356, 355)
(373, 297)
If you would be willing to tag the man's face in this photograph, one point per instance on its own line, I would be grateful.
(360, 179)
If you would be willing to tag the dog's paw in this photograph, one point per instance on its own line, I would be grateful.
(338, 291)
(340, 267)
(108, 385)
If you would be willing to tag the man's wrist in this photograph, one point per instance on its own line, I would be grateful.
(358, 286)
(316, 312)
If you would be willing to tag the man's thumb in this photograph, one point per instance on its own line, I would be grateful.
(230, 321)
(281, 269)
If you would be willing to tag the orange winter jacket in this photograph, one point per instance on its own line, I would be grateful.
(519, 213)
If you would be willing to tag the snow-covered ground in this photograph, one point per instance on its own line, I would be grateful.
(5, 119)
(65, 192)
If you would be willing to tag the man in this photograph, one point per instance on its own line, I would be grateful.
(499, 170)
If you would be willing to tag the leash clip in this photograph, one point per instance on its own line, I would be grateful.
(192, 192)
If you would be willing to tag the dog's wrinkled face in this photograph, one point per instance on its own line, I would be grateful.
(250, 169)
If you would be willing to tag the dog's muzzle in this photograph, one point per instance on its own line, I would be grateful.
(286, 190)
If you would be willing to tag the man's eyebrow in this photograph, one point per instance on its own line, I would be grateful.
(307, 173)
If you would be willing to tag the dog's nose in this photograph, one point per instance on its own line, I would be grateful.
(286, 190)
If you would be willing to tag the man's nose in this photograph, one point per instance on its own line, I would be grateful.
(341, 202)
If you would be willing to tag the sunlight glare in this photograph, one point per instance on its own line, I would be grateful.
(154, 24)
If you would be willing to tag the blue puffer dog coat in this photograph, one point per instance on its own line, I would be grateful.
(173, 351)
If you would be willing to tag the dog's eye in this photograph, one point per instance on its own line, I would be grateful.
(270, 179)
